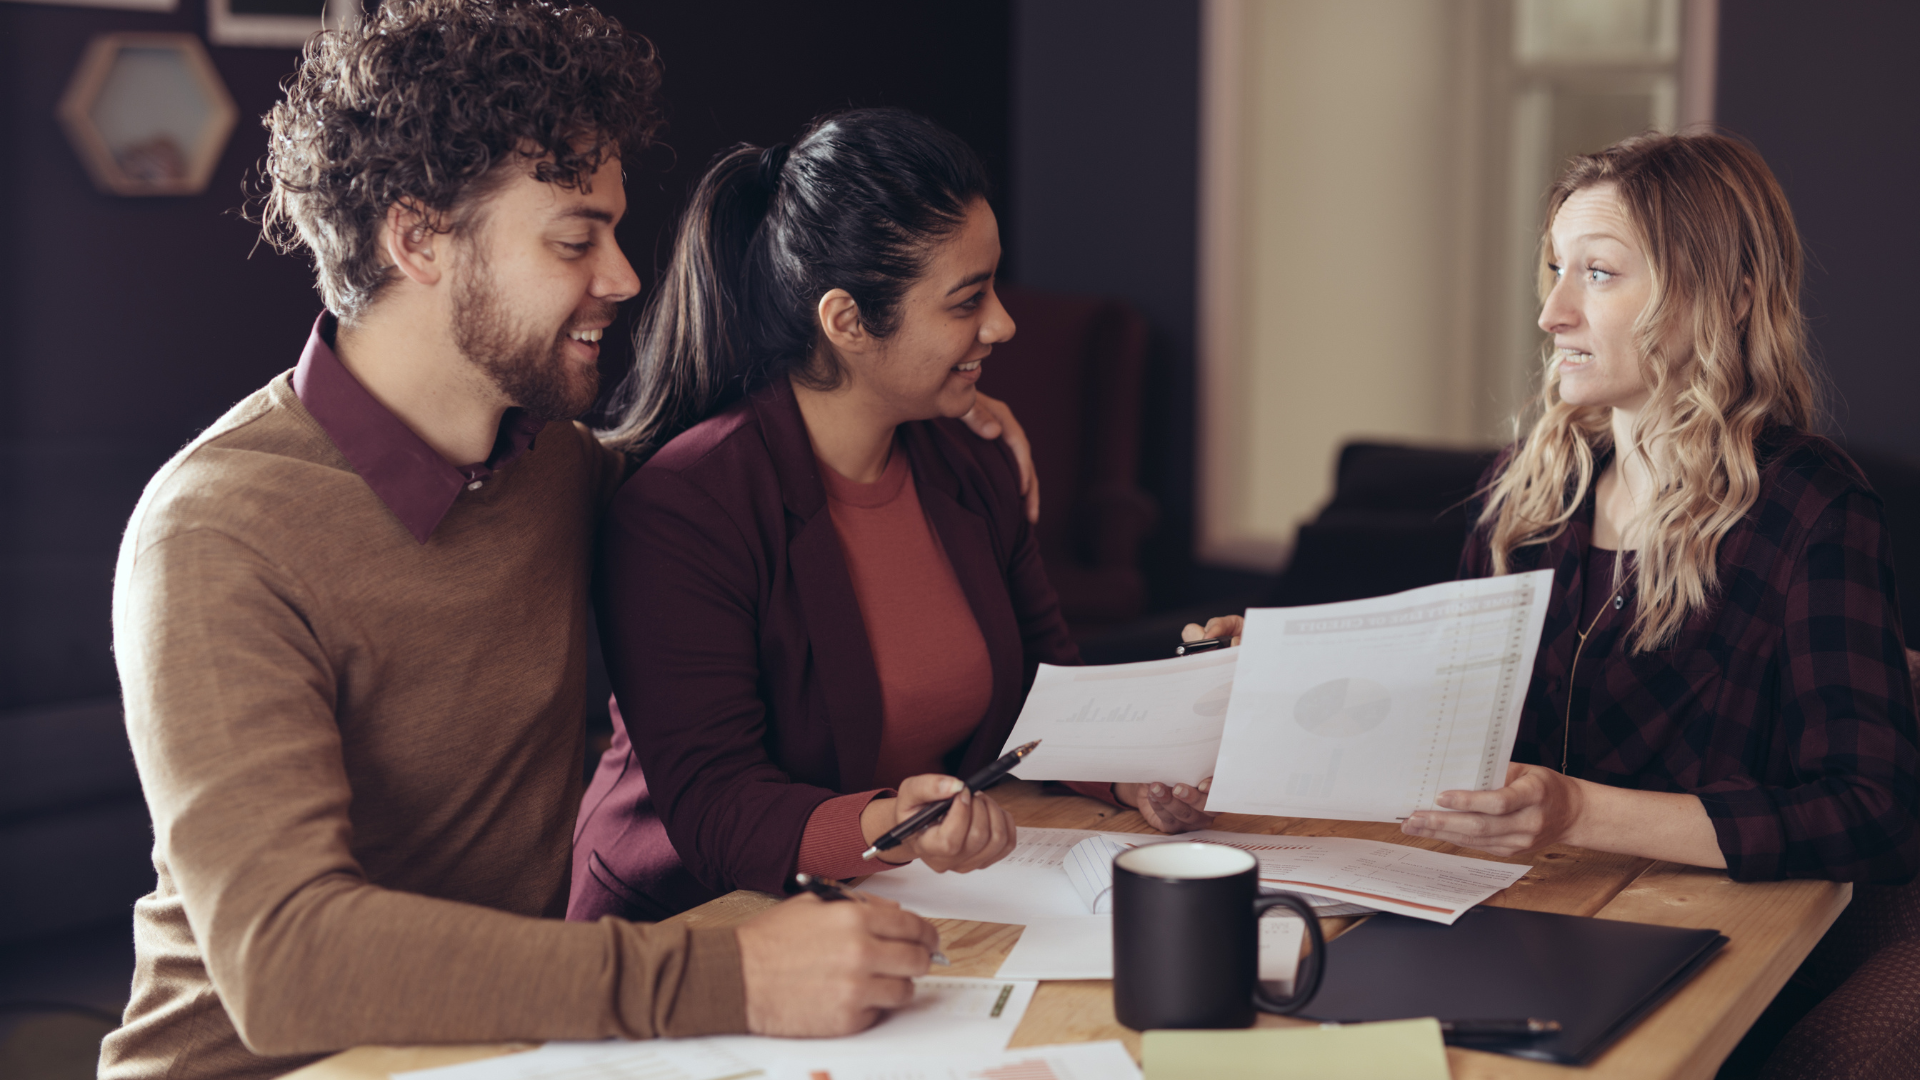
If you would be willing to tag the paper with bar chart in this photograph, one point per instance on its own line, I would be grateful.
(1156, 720)
(1366, 710)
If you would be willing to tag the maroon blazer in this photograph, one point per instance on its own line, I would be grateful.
(746, 689)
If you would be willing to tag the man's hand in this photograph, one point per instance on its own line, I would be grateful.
(1171, 808)
(1220, 626)
(991, 419)
(1537, 807)
(976, 831)
(814, 968)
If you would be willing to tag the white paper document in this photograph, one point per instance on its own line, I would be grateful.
(1379, 874)
(948, 1017)
(660, 1059)
(1366, 710)
(1082, 948)
(1033, 882)
(1027, 884)
(1157, 720)
(1089, 867)
(1336, 875)
(1079, 1061)
(1076, 947)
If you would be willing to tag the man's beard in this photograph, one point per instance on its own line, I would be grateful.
(531, 370)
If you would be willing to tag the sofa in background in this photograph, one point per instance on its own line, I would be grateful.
(75, 838)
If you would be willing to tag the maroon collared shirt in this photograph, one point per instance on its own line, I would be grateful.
(411, 478)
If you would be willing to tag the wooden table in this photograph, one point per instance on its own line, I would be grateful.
(1771, 927)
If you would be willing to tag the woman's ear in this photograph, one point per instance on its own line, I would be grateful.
(409, 241)
(840, 324)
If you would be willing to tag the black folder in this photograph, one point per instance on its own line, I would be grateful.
(1597, 977)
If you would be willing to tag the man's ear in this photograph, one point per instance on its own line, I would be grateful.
(839, 316)
(410, 243)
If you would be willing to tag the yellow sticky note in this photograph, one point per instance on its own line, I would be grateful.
(1391, 1050)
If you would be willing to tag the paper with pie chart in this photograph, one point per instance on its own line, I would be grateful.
(1157, 720)
(1366, 710)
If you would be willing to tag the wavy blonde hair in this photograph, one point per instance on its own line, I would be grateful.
(1716, 227)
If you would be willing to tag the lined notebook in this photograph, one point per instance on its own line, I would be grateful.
(1597, 977)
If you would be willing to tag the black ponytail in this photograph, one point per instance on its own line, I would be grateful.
(857, 203)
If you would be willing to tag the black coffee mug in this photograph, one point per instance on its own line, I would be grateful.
(1186, 940)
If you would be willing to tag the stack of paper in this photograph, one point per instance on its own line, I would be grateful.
(1034, 881)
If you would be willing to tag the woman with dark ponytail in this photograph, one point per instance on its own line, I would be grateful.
(820, 598)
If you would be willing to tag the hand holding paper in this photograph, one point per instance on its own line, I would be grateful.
(1154, 721)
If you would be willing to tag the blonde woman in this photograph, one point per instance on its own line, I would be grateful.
(1722, 680)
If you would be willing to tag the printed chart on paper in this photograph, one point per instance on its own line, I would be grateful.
(1366, 710)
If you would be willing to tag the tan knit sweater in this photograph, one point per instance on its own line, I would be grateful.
(362, 754)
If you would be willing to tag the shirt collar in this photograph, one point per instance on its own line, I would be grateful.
(414, 481)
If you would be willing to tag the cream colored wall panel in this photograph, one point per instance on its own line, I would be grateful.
(1348, 304)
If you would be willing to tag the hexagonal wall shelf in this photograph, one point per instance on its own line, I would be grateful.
(148, 114)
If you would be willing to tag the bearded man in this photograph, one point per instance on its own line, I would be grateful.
(350, 617)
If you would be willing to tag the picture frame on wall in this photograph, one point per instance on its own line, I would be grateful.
(148, 114)
(276, 23)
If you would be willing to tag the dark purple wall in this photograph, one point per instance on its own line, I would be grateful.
(1106, 174)
(1830, 94)
(130, 324)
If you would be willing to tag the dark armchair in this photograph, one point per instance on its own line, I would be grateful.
(1397, 521)
(1073, 375)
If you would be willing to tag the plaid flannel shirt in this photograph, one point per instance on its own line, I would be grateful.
(1786, 706)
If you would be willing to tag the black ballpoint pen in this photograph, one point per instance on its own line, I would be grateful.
(1499, 1029)
(1188, 648)
(934, 811)
(828, 889)
(1529, 1028)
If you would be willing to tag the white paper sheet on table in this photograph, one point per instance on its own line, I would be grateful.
(1382, 875)
(948, 1017)
(1338, 875)
(1074, 947)
(1031, 883)
(1082, 948)
(1366, 710)
(660, 1059)
(1078, 1061)
(1156, 720)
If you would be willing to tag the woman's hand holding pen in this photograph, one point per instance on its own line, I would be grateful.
(976, 831)
(813, 968)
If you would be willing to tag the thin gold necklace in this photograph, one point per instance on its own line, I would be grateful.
(1566, 733)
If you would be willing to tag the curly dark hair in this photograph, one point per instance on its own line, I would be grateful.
(424, 104)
